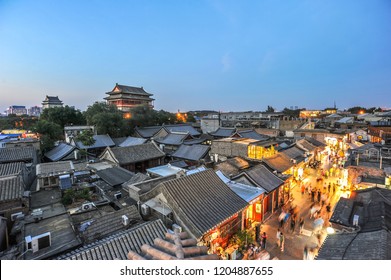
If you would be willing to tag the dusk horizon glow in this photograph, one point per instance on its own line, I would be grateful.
(198, 55)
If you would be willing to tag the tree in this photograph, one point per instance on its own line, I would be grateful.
(270, 109)
(86, 137)
(357, 110)
(49, 133)
(292, 113)
(63, 116)
(107, 119)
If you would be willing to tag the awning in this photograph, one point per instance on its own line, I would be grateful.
(158, 206)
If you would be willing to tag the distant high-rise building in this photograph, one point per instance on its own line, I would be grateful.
(17, 110)
(35, 111)
(51, 102)
(127, 97)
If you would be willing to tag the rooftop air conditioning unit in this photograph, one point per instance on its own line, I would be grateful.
(38, 242)
(16, 216)
(145, 210)
(176, 228)
(87, 206)
(125, 220)
(118, 195)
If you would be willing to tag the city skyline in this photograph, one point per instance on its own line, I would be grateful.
(217, 55)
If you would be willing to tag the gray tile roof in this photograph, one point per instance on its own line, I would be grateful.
(202, 200)
(60, 151)
(305, 144)
(132, 141)
(372, 205)
(375, 245)
(12, 168)
(294, 153)
(315, 142)
(17, 154)
(262, 177)
(110, 223)
(101, 141)
(173, 138)
(223, 132)
(252, 135)
(11, 188)
(137, 153)
(131, 90)
(194, 152)
(147, 132)
(182, 128)
(137, 178)
(279, 162)
(118, 140)
(59, 167)
(118, 245)
(115, 176)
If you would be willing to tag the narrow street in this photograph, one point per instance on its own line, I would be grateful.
(294, 241)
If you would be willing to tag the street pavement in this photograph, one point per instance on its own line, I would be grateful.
(294, 241)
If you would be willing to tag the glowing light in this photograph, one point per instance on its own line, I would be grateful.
(127, 116)
(330, 230)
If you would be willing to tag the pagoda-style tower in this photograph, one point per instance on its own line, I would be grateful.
(51, 102)
(127, 97)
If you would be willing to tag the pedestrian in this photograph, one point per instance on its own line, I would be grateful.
(302, 189)
(313, 195)
(301, 225)
(293, 223)
(329, 187)
(328, 210)
(333, 188)
(278, 236)
(323, 198)
(312, 211)
(281, 218)
(263, 240)
(319, 193)
(282, 242)
(305, 253)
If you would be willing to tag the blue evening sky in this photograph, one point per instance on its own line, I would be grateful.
(222, 55)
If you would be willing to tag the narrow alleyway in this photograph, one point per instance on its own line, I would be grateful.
(294, 241)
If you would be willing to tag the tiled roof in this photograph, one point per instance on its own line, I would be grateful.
(372, 205)
(60, 151)
(58, 167)
(306, 145)
(118, 245)
(132, 141)
(375, 245)
(115, 176)
(294, 153)
(109, 223)
(279, 162)
(194, 152)
(17, 154)
(238, 162)
(173, 138)
(203, 200)
(252, 135)
(137, 178)
(176, 246)
(13, 168)
(52, 99)
(315, 142)
(137, 153)
(223, 132)
(11, 188)
(182, 128)
(131, 90)
(118, 140)
(147, 132)
(262, 177)
(101, 141)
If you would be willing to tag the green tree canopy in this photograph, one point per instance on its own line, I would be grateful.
(357, 110)
(49, 133)
(270, 109)
(63, 116)
(107, 119)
